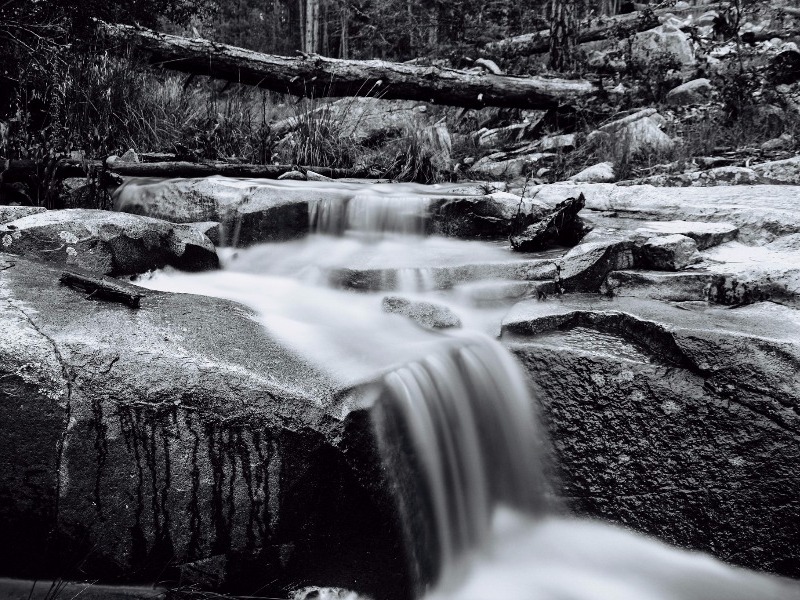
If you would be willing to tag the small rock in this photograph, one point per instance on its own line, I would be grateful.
(691, 92)
(313, 176)
(784, 142)
(129, 157)
(779, 171)
(564, 143)
(586, 266)
(640, 132)
(494, 166)
(560, 227)
(784, 67)
(293, 176)
(704, 234)
(210, 229)
(426, 314)
(326, 593)
(668, 253)
(664, 39)
(600, 173)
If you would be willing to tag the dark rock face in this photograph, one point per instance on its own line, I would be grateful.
(106, 242)
(469, 217)
(678, 422)
(137, 443)
(667, 253)
(560, 227)
(784, 67)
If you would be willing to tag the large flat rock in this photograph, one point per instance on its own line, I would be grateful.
(761, 212)
(681, 420)
(136, 443)
(106, 242)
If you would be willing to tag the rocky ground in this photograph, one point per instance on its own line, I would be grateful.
(659, 327)
(651, 288)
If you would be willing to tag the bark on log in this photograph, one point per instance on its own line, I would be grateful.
(318, 76)
(188, 169)
(16, 169)
(102, 287)
(598, 28)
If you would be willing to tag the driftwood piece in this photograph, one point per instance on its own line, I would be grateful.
(318, 76)
(102, 287)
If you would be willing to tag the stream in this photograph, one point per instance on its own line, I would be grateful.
(456, 403)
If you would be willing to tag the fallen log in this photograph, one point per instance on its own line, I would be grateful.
(318, 76)
(593, 30)
(16, 169)
(188, 169)
(102, 287)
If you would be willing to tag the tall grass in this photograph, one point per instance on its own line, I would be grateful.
(100, 104)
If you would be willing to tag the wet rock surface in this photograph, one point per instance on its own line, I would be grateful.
(426, 314)
(106, 242)
(679, 421)
(230, 446)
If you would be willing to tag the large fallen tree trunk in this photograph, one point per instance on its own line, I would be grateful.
(318, 76)
(598, 28)
(16, 170)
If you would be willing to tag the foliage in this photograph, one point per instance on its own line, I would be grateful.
(657, 73)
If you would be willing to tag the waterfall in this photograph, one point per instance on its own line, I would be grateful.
(370, 214)
(462, 423)
(455, 425)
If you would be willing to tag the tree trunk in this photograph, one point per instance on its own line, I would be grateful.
(563, 34)
(317, 76)
(311, 27)
(344, 44)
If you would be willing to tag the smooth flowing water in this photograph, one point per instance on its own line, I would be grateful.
(456, 409)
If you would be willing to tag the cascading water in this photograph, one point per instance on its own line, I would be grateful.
(456, 424)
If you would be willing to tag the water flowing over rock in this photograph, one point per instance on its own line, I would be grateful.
(282, 430)
(171, 444)
(256, 211)
(108, 243)
(683, 426)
